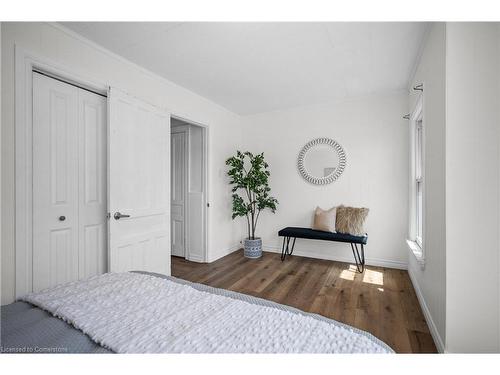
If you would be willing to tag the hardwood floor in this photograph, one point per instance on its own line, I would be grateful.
(381, 301)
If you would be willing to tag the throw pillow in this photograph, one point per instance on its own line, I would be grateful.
(351, 220)
(325, 219)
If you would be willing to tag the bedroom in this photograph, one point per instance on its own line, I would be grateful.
(370, 118)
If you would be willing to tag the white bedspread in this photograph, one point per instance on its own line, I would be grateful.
(137, 313)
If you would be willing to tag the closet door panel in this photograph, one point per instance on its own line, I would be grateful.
(92, 227)
(55, 182)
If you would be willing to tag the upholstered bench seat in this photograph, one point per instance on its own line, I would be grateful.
(312, 234)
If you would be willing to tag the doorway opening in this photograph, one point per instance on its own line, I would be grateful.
(188, 190)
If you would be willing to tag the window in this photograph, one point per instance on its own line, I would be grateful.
(418, 182)
(416, 230)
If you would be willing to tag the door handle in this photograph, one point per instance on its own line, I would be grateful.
(62, 218)
(119, 215)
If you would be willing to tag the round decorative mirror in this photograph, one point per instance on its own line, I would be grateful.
(321, 161)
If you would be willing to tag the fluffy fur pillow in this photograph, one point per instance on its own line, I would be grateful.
(350, 220)
(325, 219)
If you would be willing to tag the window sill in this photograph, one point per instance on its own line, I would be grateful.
(417, 252)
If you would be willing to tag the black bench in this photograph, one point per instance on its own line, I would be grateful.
(312, 234)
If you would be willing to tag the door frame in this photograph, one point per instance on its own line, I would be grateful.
(25, 63)
(205, 134)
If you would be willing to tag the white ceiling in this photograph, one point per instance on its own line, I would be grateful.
(257, 67)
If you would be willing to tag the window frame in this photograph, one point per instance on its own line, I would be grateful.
(416, 240)
(418, 179)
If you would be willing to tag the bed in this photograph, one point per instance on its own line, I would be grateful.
(138, 312)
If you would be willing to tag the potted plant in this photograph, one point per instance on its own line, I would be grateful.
(249, 174)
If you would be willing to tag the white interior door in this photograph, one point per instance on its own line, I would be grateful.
(92, 197)
(139, 185)
(196, 195)
(55, 182)
(178, 186)
(69, 183)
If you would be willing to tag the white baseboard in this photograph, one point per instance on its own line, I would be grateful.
(427, 314)
(346, 259)
(225, 252)
(196, 259)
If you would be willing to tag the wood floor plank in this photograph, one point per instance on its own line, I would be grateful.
(261, 276)
(421, 342)
(381, 301)
(279, 290)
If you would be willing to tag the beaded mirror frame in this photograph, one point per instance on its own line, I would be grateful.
(332, 176)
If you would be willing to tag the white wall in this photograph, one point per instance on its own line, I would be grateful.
(472, 187)
(430, 281)
(91, 61)
(375, 138)
(1, 157)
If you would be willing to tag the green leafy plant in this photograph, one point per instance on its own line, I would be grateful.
(249, 173)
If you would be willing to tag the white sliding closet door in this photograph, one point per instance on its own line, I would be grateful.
(69, 183)
(139, 185)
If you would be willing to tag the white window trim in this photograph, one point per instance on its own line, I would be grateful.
(416, 246)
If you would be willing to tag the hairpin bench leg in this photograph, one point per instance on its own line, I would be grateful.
(285, 250)
(283, 254)
(293, 246)
(359, 258)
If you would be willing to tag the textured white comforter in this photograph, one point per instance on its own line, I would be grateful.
(137, 313)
